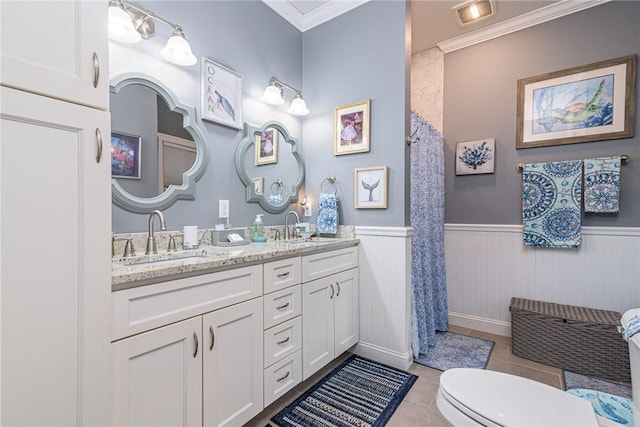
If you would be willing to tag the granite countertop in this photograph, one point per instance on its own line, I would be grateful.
(147, 269)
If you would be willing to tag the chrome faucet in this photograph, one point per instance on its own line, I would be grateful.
(151, 240)
(287, 233)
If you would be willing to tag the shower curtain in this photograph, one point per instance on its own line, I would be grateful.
(427, 219)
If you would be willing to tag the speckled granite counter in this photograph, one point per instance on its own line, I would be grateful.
(143, 270)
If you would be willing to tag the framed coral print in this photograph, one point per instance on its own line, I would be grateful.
(125, 155)
(266, 147)
(352, 128)
(475, 157)
(221, 94)
(593, 102)
(370, 187)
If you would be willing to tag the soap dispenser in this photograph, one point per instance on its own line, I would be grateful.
(258, 230)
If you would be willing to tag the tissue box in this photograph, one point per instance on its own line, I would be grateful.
(221, 237)
(579, 339)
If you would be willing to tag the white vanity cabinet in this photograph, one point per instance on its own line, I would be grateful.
(195, 356)
(329, 307)
(283, 327)
(55, 194)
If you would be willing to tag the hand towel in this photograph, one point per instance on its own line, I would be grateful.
(551, 201)
(633, 327)
(602, 185)
(327, 214)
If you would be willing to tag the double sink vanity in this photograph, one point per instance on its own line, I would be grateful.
(212, 336)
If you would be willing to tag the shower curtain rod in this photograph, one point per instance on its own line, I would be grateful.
(624, 159)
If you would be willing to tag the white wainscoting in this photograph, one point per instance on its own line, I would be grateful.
(385, 295)
(488, 264)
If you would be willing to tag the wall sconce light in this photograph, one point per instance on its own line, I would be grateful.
(273, 96)
(473, 10)
(129, 23)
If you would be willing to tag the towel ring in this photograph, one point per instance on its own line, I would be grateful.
(277, 191)
(330, 180)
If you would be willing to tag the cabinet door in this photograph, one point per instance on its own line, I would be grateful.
(55, 307)
(157, 377)
(49, 48)
(233, 373)
(317, 325)
(345, 310)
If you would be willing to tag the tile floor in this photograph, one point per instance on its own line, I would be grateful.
(419, 406)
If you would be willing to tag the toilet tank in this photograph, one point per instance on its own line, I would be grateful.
(634, 358)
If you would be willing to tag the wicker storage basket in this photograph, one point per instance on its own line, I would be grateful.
(578, 339)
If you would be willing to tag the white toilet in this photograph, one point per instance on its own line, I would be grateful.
(478, 397)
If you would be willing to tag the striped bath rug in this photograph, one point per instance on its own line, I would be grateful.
(359, 392)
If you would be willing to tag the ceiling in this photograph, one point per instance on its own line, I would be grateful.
(432, 21)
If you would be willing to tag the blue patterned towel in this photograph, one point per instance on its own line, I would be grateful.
(633, 327)
(327, 213)
(602, 185)
(616, 408)
(551, 204)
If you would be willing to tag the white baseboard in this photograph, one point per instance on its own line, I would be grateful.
(383, 355)
(491, 326)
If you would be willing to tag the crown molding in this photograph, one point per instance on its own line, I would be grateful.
(317, 16)
(539, 16)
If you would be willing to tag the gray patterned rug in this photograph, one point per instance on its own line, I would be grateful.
(356, 393)
(457, 351)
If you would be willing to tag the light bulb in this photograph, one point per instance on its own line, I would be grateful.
(272, 95)
(475, 13)
(120, 25)
(178, 51)
(298, 106)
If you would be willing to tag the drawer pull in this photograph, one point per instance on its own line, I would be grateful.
(284, 377)
(96, 70)
(282, 307)
(338, 285)
(332, 291)
(213, 338)
(282, 275)
(195, 340)
(98, 145)
(284, 341)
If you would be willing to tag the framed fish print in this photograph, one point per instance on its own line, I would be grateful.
(593, 102)
(351, 128)
(221, 95)
(370, 187)
(125, 155)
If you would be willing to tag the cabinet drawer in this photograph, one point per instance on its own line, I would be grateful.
(281, 274)
(282, 305)
(282, 340)
(326, 263)
(282, 377)
(141, 309)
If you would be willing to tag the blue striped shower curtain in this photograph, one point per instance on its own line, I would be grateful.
(428, 278)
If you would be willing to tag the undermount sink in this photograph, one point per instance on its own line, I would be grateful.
(175, 258)
(174, 261)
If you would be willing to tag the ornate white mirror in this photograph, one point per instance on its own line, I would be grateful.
(157, 151)
(268, 164)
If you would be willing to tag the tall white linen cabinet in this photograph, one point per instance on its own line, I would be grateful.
(55, 221)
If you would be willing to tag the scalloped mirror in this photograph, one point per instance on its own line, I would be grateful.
(171, 154)
(269, 166)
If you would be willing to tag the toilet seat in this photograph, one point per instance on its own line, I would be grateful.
(491, 398)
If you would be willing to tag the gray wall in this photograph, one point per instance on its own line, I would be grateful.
(346, 60)
(480, 102)
(359, 55)
(249, 38)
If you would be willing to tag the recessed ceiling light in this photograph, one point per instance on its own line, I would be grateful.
(473, 11)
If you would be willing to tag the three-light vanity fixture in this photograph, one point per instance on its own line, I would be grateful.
(273, 96)
(129, 23)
